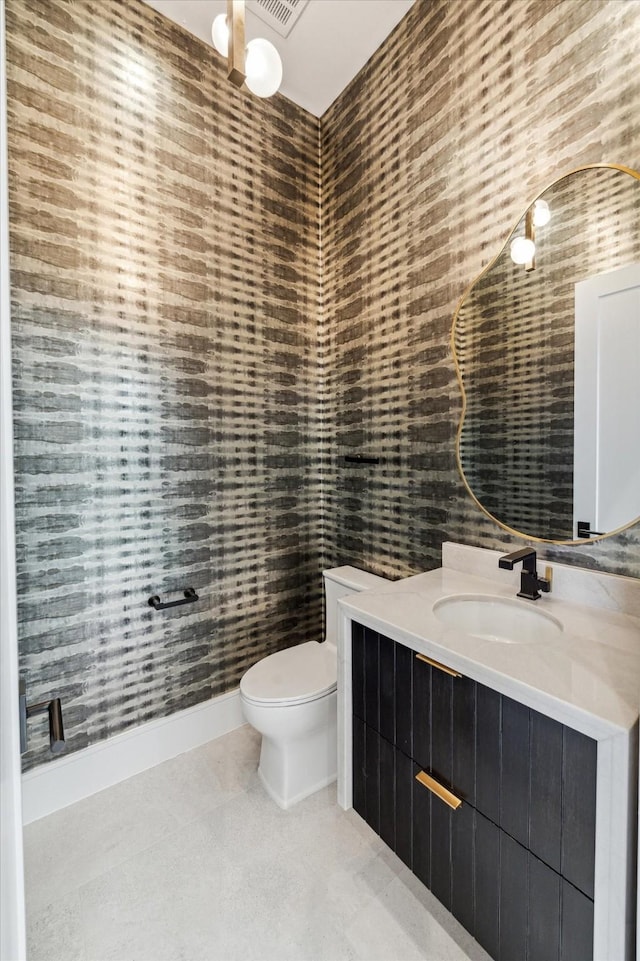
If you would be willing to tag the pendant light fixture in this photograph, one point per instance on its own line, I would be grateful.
(258, 65)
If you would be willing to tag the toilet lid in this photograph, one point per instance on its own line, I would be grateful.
(299, 674)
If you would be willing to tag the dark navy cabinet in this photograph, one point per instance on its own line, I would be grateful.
(514, 861)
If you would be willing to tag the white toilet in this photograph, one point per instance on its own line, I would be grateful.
(290, 698)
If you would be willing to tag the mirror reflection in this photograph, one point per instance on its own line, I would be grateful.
(548, 357)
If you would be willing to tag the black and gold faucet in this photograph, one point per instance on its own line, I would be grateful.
(530, 583)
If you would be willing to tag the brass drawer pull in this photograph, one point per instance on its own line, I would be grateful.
(441, 667)
(436, 788)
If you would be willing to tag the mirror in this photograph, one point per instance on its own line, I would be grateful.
(548, 360)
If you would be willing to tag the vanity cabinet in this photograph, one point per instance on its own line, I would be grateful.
(514, 861)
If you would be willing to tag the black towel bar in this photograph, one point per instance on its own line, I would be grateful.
(189, 597)
(584, 530)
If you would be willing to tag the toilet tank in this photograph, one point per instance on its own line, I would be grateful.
(340, 582)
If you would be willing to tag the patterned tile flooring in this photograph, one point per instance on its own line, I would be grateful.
(191, 861)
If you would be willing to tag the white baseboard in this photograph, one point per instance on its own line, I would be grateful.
(69, 779)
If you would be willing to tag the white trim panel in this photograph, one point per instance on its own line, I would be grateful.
(12, 922)
(62, 782)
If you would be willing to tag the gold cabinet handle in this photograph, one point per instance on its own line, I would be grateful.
(440, 667)
(436, 788)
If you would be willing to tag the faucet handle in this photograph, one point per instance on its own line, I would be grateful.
(544, 583)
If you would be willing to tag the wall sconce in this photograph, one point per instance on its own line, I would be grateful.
(541, 213)
(258, 65)
(523, 249)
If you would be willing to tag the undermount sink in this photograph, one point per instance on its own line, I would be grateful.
(497, 618)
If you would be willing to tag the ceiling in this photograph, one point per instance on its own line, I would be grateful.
(327, 47)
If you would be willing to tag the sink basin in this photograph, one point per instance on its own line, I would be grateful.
(497, 618)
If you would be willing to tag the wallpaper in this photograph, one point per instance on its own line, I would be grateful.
(218, 300)
(165, 274)
(429, 158)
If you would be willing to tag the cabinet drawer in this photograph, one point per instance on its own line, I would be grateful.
(514, 904)
(528, 774)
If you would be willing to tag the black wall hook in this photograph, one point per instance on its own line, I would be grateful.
(189, 597)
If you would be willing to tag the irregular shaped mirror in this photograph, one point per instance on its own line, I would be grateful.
(548, 358)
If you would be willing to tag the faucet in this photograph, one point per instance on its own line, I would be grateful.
(530, 583)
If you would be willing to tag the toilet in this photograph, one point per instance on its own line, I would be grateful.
(291, 699)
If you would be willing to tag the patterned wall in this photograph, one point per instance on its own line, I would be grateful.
(430, 156)
(165, 273)
(194, 360)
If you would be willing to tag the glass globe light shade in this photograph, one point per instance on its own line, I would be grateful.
(541, 213)
(263, 68)
(220, 34)
(522, 250)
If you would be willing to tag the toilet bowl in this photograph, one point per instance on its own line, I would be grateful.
(291, 699)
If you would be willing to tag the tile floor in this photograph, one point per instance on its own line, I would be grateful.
(191, 861)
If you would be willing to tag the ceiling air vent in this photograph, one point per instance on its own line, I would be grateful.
(280, 15)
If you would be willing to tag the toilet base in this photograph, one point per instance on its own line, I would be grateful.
(294, 800)
(293, 767)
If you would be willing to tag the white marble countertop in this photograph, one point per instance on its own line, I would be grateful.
(587, 677)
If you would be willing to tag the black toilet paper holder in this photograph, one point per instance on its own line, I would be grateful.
(53, 708)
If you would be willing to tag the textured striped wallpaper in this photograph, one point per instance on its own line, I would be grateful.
(198, 343)
(429, 158)
(165, 273)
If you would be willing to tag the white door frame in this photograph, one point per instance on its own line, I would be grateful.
(617, 404)
(12, 916)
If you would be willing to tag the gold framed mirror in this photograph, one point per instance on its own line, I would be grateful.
(547, 354)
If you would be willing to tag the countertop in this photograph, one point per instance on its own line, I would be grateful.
(587, 677)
